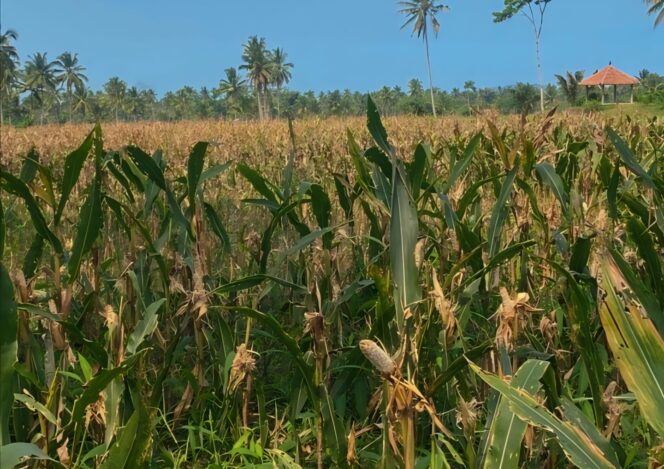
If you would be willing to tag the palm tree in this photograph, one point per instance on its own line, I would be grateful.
(39, 78)
(232, 87)
(8, 66)
(419, 13)
(281, 70)
(81, 100)
(115, 94)
(257, 61)
(70, 73)
(569, 84)
(656, 7)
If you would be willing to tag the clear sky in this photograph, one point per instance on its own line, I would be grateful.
(334, 44)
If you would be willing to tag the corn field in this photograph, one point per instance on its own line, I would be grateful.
(334, 293)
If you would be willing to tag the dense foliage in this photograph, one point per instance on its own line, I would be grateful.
(489, 296)
(45, 91)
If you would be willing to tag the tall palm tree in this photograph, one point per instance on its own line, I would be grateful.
(281, 70)
(39, 78)
(70, 73)
(420, 13)
(232, 87)
(115, 90)
(569, 84)
(8, 66)
(257, 61)
(656, 7)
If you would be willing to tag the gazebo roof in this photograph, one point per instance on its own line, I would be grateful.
(610, 76)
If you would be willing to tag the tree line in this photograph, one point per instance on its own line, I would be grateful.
(56, 91)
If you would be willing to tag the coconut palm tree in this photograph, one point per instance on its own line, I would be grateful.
(569, 84)
(39, 79)
(656, 7)
(115, 90)
(232, 88)
(281, 70)
(257, 62)
(420, 13)
(8, 66)
(70, 74)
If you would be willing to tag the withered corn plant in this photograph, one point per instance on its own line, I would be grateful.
(484, 293)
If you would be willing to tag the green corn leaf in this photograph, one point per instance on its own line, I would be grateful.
(335, 434)
(580, 309)
(73, 165)
(576, 417)
(375, 126)
(252, 281)
(499, 213)
(217, 226)
(650, 255)
(636, 346)
(17, 187)
(551, 179)
(305, 370)
(417, 169)
(8, 350)
(577, 446)
(124, 182)
(256, 179)
(342, 185)
(147, 166)
(507, 430)
(403, 238)
(30, 166)
(195, 165)
(128, 452)
(461, 165)
(145, 327)
(88, 228)
(13, 454)
(636, 287)
(2, 230)
(214, 171)
(628, 158)
(92, 389)
(322, 208)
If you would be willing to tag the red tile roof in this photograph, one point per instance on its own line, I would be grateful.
(610, 76)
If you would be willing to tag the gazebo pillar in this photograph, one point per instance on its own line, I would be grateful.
(615, 94)
(603, 102)
(631, 94)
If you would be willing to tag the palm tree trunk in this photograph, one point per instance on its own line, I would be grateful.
(426, 44)
(260, 109)
(540, 74)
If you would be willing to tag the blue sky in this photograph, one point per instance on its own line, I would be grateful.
(337, 44)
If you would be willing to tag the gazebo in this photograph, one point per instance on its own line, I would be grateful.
(611, 76)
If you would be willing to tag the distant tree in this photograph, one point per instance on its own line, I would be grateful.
(470, 89)
(569, 85)
(281, 70)
(70, 73)
(656, 7)
(81, 100)
(115, 90)
(39, 79)
(524, 97)
(8, 67)
(420, 13)
(232, 88)
(257, 62)
(534, 11)
(415, 87)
